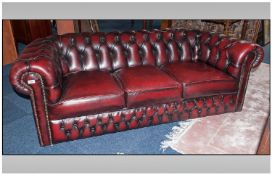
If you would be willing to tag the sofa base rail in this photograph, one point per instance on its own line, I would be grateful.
(110, 122)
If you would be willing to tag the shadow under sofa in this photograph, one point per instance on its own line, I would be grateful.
(88, 84)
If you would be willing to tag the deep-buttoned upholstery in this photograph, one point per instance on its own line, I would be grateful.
(88, 84)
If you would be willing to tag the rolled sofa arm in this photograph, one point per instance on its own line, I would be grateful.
(38, 63)
(242, 53)
(259, 56)
(245, 57)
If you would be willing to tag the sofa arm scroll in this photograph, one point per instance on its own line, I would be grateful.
(242, 53)
(38, 63)
(259, 56)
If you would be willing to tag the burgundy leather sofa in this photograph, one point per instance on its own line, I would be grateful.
(84, 85)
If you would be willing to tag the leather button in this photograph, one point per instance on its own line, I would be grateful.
(86, 121)
(102, 39)
(99, 121)
(116, 125)
(72, 41)
(216, 108)
(132, 38)
(75, 125)
(172, 36)
(116, 39)
(208, 110)
(104, 128)
(159, 36)
(146, 37)
(87, 40)
(92, 129)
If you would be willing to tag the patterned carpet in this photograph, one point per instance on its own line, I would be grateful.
(232, 133)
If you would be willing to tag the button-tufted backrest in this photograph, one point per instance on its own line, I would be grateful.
(115, 50)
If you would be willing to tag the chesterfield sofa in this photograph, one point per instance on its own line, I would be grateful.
(88, 84)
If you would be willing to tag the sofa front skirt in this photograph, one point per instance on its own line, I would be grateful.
(109, 122)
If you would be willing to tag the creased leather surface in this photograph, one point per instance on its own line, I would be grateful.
(88, 92)
(58, 64)
(199, 79)
(146, 85)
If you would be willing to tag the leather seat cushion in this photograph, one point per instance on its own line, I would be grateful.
(199, 79)
(147, 85)
(88, 92)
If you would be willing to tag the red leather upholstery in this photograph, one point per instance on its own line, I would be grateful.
(39, 57)
(93, 125)
(199, 79)
(122, 79)
(87, 92)
(146, 85)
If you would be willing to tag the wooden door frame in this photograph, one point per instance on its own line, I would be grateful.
(9, 46)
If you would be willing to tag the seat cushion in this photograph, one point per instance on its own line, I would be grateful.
(88, 92)
(148, 85)
(199, 79)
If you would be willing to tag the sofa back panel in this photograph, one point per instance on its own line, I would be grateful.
(115, 50)
(112, 51)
